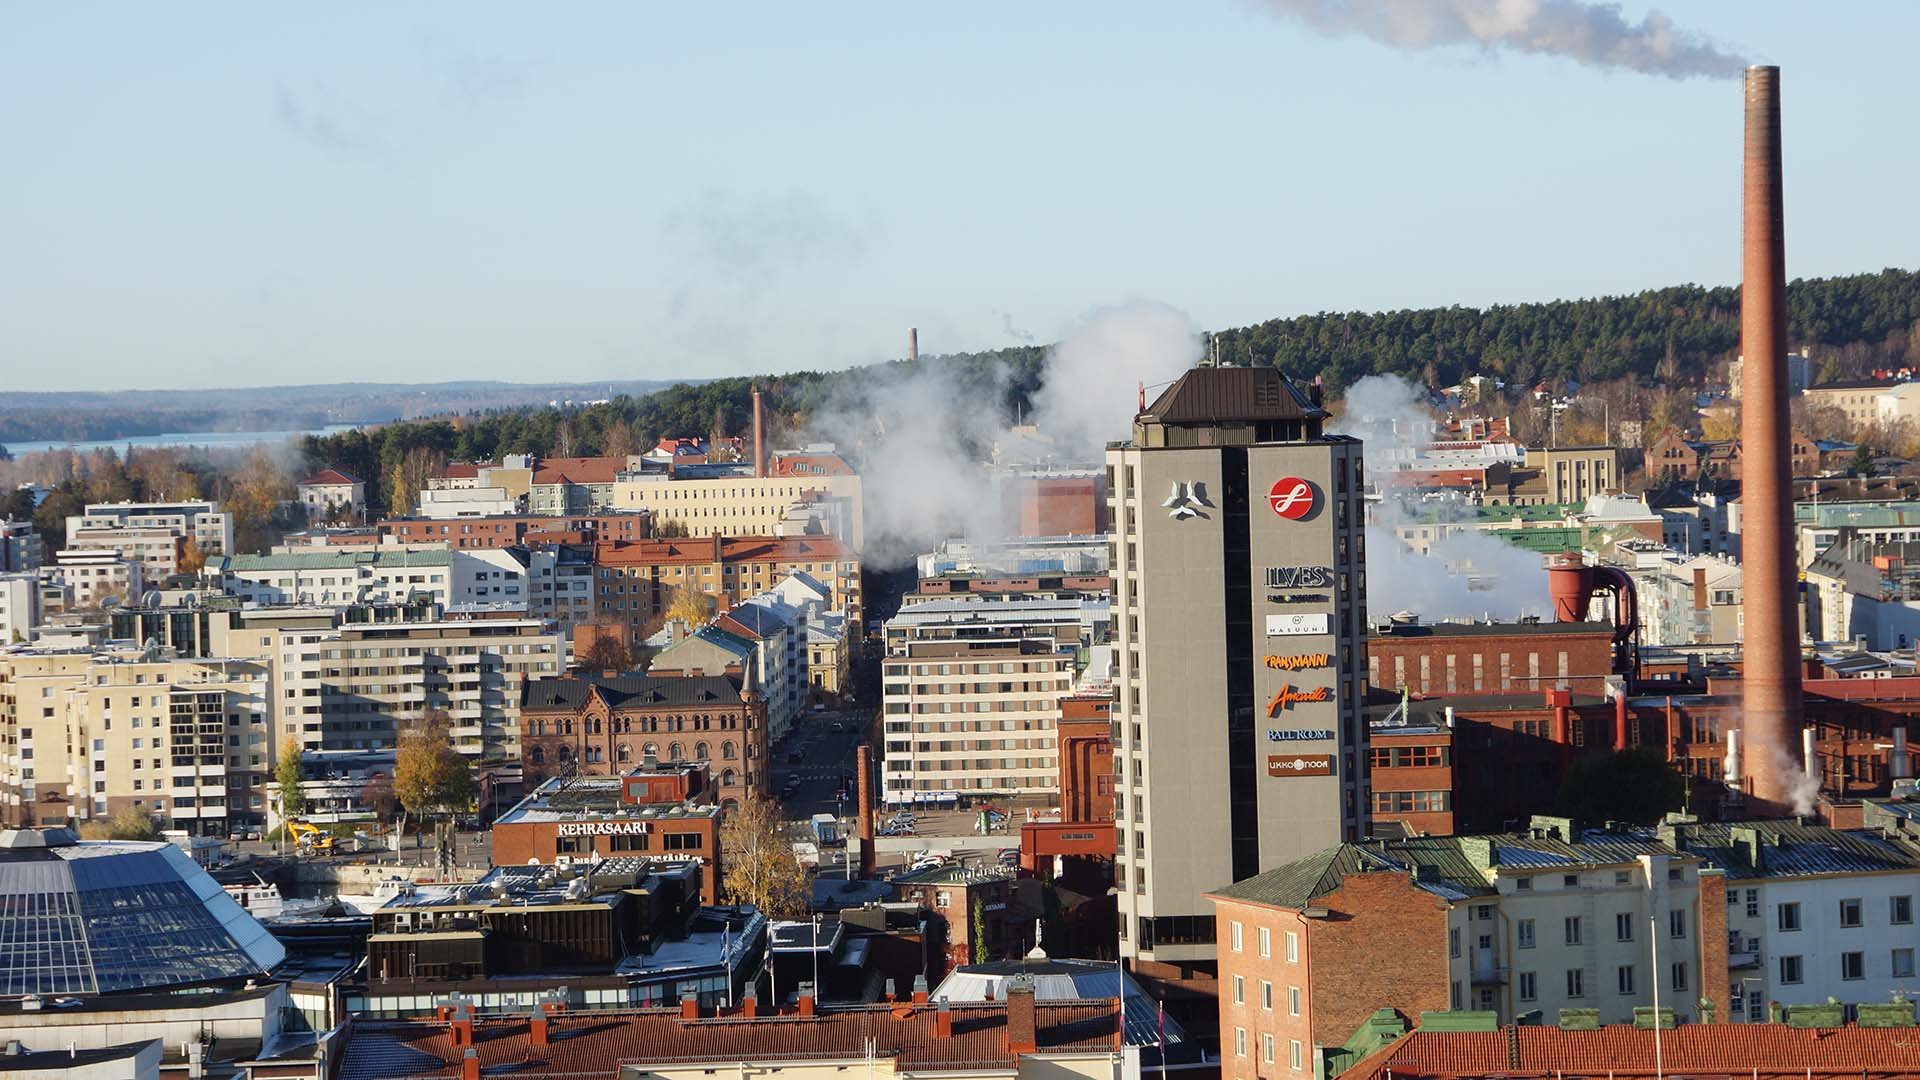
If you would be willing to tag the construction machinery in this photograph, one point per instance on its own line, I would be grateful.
(309, 838)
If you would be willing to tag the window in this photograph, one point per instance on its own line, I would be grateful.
(1233, 935)
(1850, 912)
(1576, 983)
(1529, 986)
(1239, 990)
(1293, 947)
(1624, 976)
(1453, 942)
(1903, 963)
(1900, 910)
(1788, 918)
(1266, 1049)
(1571, 881)
(1266, 995)
(1573, 930)
(1295, 1054)
(1293, 1001)
(1240, 1041)
(1266, 942)
(1455, 1000)
(1853, 965)
(1790, 969)
(1524, 884)
(1677, 923)
(1523, 931)
(1753, 903)
(1678, 979)
(1623, 926)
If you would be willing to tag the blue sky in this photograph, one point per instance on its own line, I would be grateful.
(245, 194)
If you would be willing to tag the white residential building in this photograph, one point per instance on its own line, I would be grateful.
(19, 607)
(201, 521)
(97, 574)
(453, 503)
(331, 492)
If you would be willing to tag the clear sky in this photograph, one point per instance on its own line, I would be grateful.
(198, 194)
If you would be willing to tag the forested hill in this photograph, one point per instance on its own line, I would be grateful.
(1855, 322)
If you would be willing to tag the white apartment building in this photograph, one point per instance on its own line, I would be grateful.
(329, 491)
(97, 574)
(19, 607)
(1685, 600)
(1813, 913)
(350, 687)
(453, 503)
(201, 521)
(972, 696)
(341, 577)
(90, 732)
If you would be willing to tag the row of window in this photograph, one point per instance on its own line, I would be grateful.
(1296, 1052)
(1236, 941)
(1852, 910)
(1527, 983)
(1573, 929)
(1266, 995)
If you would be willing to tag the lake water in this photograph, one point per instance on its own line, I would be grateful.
(217, 440)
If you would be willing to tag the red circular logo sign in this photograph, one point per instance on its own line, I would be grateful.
(1292, 498)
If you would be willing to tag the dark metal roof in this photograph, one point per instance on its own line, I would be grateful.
(630, 691)
(1219, 395)
(1451, 629)
(1791, 849)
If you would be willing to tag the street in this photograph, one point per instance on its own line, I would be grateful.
(824, 766)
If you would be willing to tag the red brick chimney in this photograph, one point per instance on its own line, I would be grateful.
(919, 989)
(460, 1030)
(689, 1006)
(470, 1064)
(943, 1020)
(537, 1034)
(759, 436)
(1023, 1026)
(806, 999)
(863, 775)
(750, 1002)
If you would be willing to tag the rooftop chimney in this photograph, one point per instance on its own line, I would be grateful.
(943, 1021)
(759, 436)
(1771, 677)
(470, 1064)
(689, 1005)
(913, 343)
(1023, 1031)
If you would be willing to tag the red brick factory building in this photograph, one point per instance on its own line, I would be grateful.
(658, 809)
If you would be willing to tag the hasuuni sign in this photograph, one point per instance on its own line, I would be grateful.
(1288, 696)
(601, 828)
(1292, 498)
(1298, 661)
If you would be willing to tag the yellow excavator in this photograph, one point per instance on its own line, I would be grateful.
(309, 838)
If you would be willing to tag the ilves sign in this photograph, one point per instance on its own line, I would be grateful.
(1299, 577)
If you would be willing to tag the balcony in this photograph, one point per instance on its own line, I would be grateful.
(1487, 973)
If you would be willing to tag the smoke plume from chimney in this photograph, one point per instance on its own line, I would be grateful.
(1592, 34)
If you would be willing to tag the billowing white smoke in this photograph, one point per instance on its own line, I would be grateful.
(1467, 574)
(1803, 788)
(923, 439)
(1592, 34)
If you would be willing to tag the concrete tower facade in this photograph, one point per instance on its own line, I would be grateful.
(1239, 620)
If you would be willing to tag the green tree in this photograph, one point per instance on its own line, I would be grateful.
(1634, 785)
(127, 823)
(287, 774)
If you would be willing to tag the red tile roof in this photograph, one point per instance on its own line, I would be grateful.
(733, 549)
(578, 470)
(462, 472)
(594, 1044)
(1622, 1050)
(327, 477)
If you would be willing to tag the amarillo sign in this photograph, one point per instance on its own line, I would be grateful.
(1300, 662)
(601, 828)
(1300, 765)
(1287, 697)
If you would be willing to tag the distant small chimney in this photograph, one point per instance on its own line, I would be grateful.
(759, 436)
(919, 989)
(537, 1033)
(750, 1002)
(470, 1064)
(689, 1005)
(913, 343)
(1023, 1030)
(943, 1021)
(806, 999)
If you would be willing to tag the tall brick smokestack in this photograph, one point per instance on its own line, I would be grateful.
(913, 343)
(759, 436)
(1771, 680)
(863, 786)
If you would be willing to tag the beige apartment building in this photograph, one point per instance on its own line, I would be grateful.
(1568, 474)
(972, 697)
(1239, 626)
(86, 734)
(350, 686)
(746, 505)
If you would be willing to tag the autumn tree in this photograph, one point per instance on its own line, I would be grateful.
(257, 493)
(127, 823)
(428, 773)
(192, 559)
(760, 866)
(690, 606)
(409, 477)
(620, 440)
(606, 651)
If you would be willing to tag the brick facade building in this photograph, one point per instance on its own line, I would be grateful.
(1491, 658)
(656, 810)
(637, 579)
(596, 725)
(1086, 759)
(517, 530)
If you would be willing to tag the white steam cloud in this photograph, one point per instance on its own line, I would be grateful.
(1466, 574)
(1802, 787)
(1596, 35)
(924, 437)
